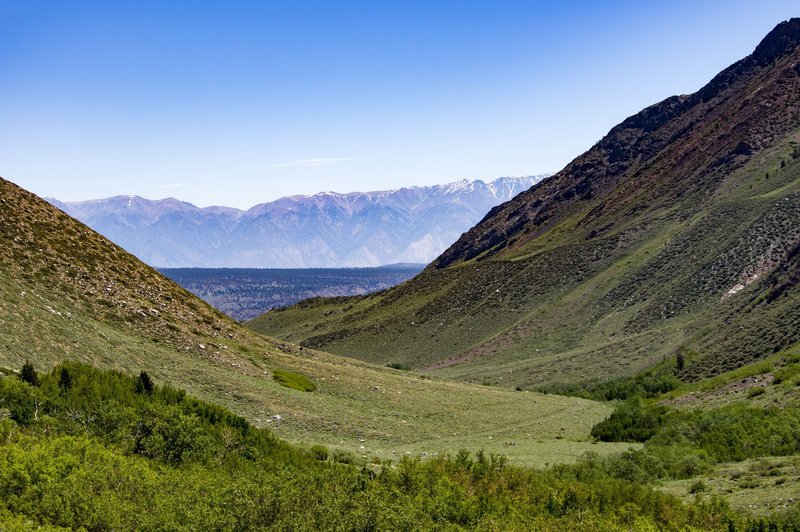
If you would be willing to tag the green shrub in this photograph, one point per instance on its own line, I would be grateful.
(787, 373)
(343, 457)
(319, 452)
(398, 365)
(755, 391)
(633, 420)
(646, 385)
(697, 487)
(792, 358)
(293, 380)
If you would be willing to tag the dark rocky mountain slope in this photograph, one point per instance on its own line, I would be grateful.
(678, 232)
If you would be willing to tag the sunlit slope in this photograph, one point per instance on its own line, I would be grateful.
(67, 293)
(678, 232)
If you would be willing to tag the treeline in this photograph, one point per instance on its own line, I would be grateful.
(96, 449)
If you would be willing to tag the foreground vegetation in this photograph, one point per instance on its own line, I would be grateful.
(736, 435)
(98, 449)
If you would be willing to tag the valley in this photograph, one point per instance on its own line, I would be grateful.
(87, 300)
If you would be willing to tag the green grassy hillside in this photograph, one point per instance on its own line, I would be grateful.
(679, 232)
(66, 293)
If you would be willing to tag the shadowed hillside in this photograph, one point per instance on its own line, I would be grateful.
(678, 232)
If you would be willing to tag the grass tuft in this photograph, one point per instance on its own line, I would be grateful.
(293, 380)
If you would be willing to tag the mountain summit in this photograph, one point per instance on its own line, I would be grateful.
(678, 233)
(328, 229)
(783, 40)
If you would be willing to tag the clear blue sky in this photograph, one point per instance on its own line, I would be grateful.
(237, 103)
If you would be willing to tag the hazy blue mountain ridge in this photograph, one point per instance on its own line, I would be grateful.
(328, 229)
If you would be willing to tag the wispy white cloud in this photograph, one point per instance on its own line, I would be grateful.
(314, 162)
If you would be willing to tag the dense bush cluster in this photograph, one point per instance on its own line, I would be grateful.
(646, 385)
(133, 414)
(682, 444)
(731, 433)
(633, 420)
(96, 449)
(735, 432)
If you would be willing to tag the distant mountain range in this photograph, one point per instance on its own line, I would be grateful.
(413, 224)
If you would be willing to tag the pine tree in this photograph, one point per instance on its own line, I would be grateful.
(65, 380)
(680, 361)
(144, 384)
(28, 374)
